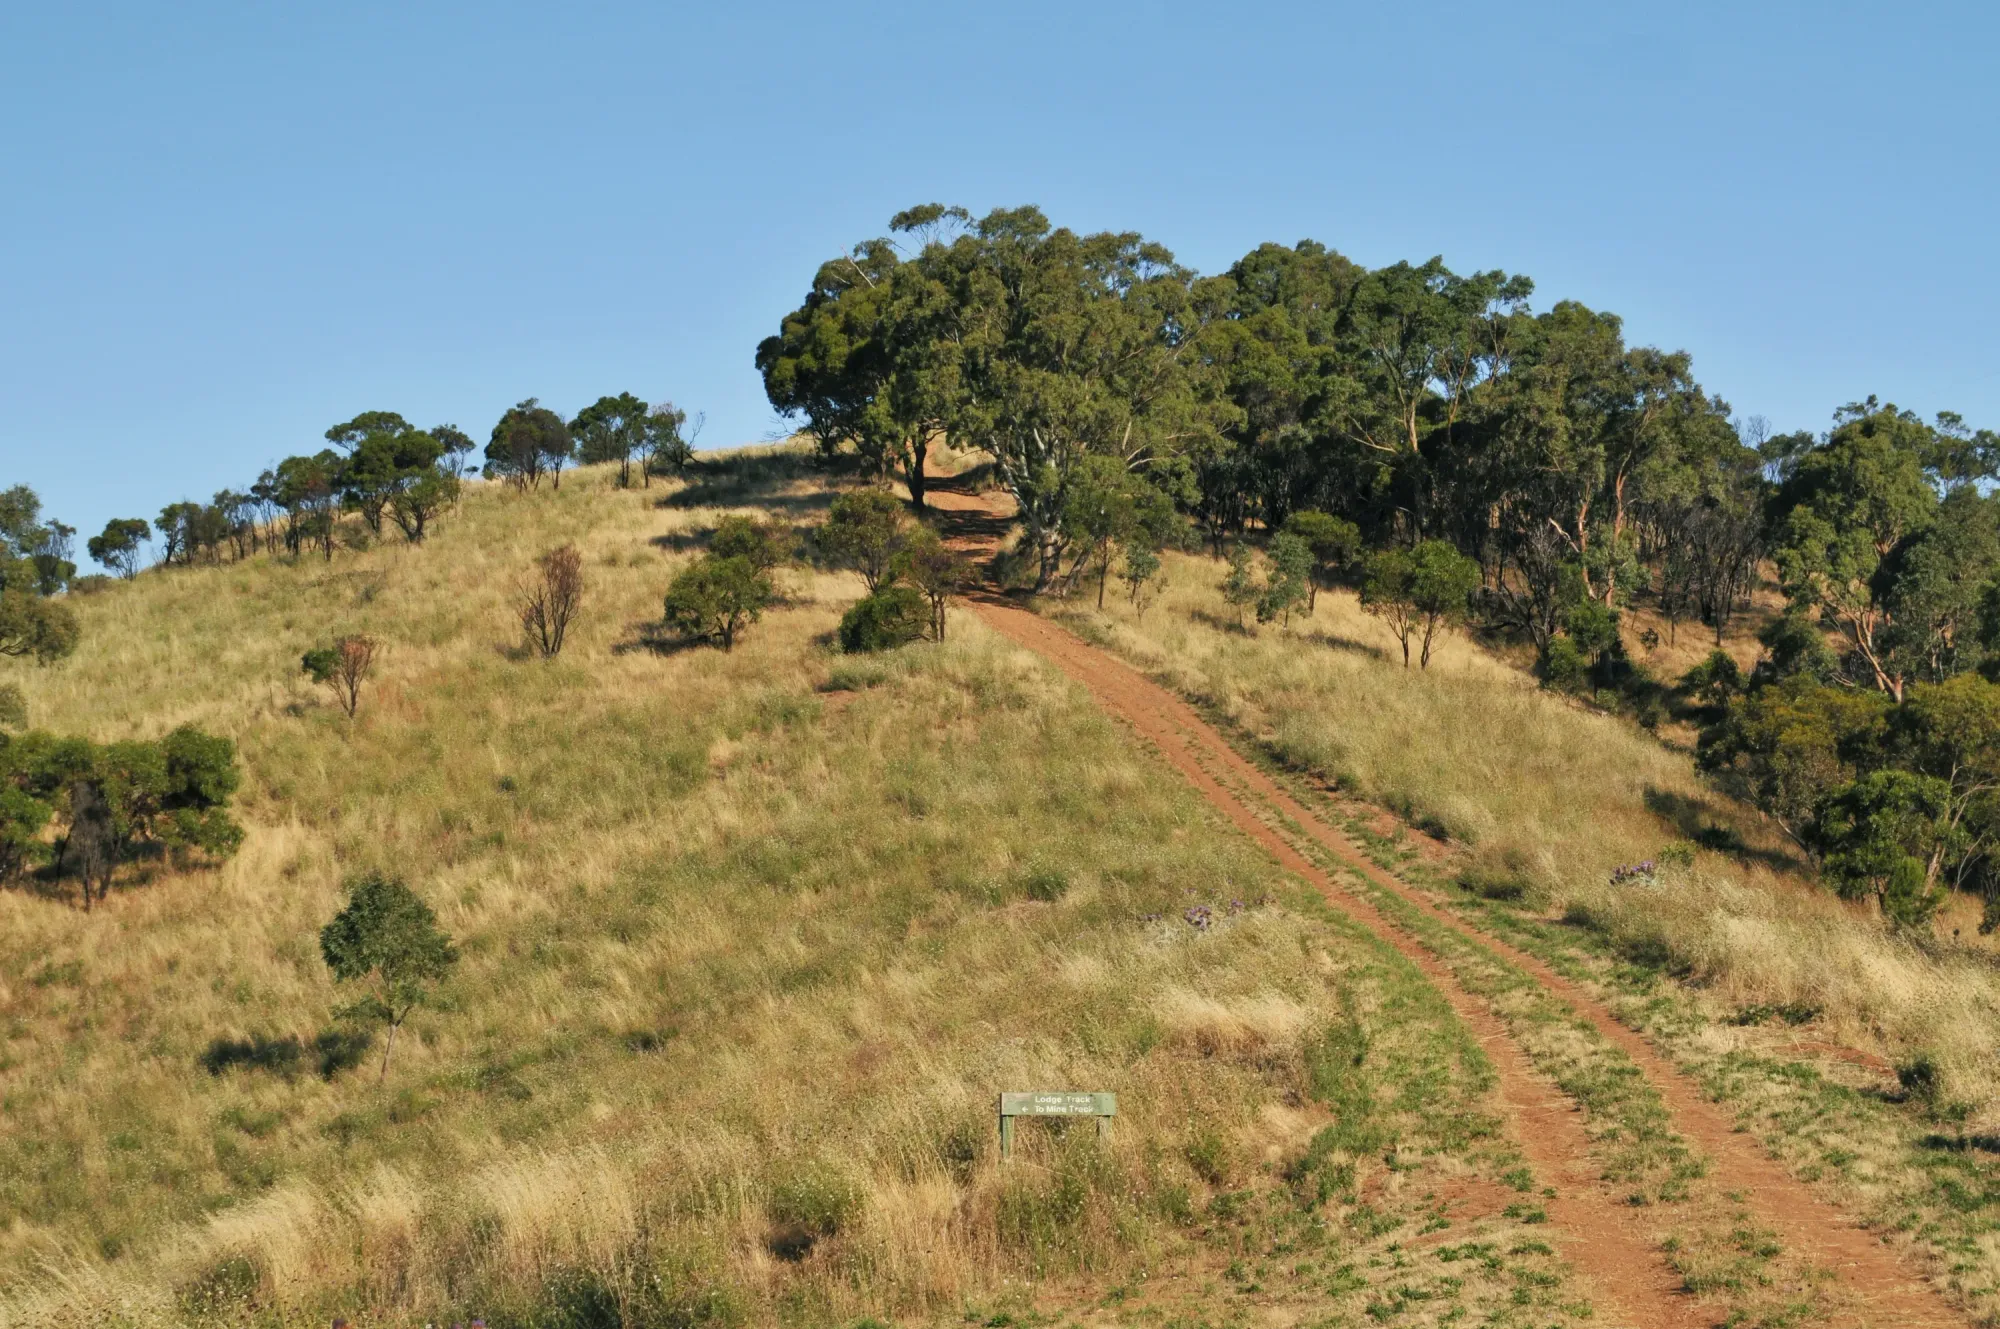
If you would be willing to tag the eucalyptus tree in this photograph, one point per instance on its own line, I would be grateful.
(662, 441)
(1845, 508)
(387, 939)
(238, 516)
(1106, 508)
(307, 490)
(1415, 341)
(34, 623)
(1332, 544)
(457, 445)
(873, 359)
(1418, 592)
(392, 467)
(611, 429)
(122, 545)
(44, 547)
(825, 365)
(529, 441)
(1074, 346)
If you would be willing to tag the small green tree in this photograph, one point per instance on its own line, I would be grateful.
(1715, 681)
(1290, 581)
(933, 568)
(457, 445)
(420, 495)
(1240, 587)
(387, 938)
(1333, 541)
(1106, 506)
(1417, 592)
(863, 533)
(714, 599)
(1141, 575)
(22, 817)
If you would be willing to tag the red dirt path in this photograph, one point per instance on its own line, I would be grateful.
(1609, 1243)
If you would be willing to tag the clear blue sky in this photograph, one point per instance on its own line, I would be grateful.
(225, 227)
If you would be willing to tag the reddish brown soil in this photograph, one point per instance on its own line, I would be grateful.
(1608, 1241)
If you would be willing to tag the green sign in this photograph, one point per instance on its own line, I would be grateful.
(1062, 1103)
(1059, 1105)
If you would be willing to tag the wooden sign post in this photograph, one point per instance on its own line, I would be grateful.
(1101, 1106)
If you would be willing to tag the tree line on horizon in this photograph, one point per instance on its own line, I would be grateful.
(1432, 439)
(1423, 436)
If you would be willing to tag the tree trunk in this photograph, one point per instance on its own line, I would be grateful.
(388, 1046)
(1617, 533)
(918, 481)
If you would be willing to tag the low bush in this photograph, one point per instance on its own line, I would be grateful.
(1045, 884)
(891, 617)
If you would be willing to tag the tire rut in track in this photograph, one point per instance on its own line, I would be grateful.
(1628, 1277)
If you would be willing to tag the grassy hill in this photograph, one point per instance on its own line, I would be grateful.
(1543, 799)
(750, 942)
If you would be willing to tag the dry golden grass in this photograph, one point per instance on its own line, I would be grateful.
(737, 949)
(1559, 795)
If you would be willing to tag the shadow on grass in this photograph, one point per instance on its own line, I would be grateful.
(1959, 1144)
(1334, 642)
(1233, 627)
(43, 884)
(681, 542)
(653, 638)
(753, 479)
(59, 883)
(1694, 819)
(330, 1052)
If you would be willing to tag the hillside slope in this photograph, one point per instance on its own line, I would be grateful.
(751, 940)
(1861, 1059)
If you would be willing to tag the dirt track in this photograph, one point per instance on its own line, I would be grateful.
(1609, 1243)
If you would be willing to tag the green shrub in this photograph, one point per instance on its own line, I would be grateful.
(1920, 1079)
(1045, 884)
(579, 1299)
(226, 1287)
(891, 617)
(1040, 1215)
(1564, 665)
(1209, 1155)
(818, 1198)
(1491, 884)
(1679, 854)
